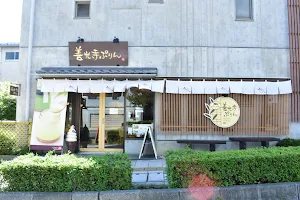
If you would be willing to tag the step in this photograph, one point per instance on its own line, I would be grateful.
(148, 165)
(149, 178)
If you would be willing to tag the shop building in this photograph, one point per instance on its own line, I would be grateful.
(169, 64)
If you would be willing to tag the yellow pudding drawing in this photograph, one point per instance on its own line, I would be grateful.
(49, 122)
(48, 129)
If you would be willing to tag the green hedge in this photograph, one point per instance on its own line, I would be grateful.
(66, 173)
(288, 142)
(234, 167)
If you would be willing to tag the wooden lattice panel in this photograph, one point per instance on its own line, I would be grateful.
(261, 115)
(294, 36)
(17, 130)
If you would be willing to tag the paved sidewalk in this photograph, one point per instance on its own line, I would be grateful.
(149, 172)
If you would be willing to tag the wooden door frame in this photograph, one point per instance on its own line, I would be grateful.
(101, 124)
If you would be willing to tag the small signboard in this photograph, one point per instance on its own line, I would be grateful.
(149, 131)
(14, 90)
(140, 129)
(98, 54)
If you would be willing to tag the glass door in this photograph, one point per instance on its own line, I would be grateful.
(90, 116)
(113, 118)
(102, 122)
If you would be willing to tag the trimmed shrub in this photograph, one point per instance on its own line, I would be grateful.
(233, 167)
(288, 142)
(113, 137)
(7, 144)
(66, 173)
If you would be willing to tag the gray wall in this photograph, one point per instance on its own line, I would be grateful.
(9, 68)
(182, 38)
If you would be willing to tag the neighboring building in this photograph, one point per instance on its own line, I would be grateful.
(167, 40)
(9, 62)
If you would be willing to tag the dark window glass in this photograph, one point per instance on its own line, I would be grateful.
(9, 55)
(83, 9)
(243, 9)
(17, 56)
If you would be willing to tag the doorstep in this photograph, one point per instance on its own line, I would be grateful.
(148, 165)
(158, 178)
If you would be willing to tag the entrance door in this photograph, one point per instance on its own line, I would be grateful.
(112, 132)
(102, 120)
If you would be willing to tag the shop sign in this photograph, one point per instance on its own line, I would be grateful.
(14, 90)
(140, 129)
(224, 112)
(49, 121)
(98, 54)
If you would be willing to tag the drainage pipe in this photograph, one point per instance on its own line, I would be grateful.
(29, 60)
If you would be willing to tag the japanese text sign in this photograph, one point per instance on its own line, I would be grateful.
(98, 54)
(224, 112)
(14, 90)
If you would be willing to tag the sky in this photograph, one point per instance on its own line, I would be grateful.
(10, 20)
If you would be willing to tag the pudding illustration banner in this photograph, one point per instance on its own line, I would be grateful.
(48, 121)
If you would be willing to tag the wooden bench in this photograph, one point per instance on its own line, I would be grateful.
(264, 140)
(212, 143)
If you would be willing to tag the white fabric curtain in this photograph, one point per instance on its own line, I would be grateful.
(96, 86)
(260, 88)
(120, 86)
(210, 87)
(107, 86)
(248, 87)
(158, 86)
(272, 88)
(47, 85)
(84, 86)
(184, 87)
(130, 84)
(285, 87)
(146, 85)
(172, 87)
(71, 86)
(197, 87)
(236, 87)
(223, 87)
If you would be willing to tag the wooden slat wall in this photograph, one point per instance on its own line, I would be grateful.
(261, 115)
(294, 36)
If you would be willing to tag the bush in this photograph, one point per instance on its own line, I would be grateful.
(113, 137)
(8, 103)
(66, 173)
(288, 142)
(7, 144)
(234, 167)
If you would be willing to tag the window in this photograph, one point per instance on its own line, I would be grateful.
(12, 56)
(243, 9)
(82, 9)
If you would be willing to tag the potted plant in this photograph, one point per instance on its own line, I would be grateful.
(84, 136)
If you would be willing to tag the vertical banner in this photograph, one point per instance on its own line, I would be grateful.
(48, 120)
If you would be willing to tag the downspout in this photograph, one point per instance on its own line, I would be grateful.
(29, 60)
